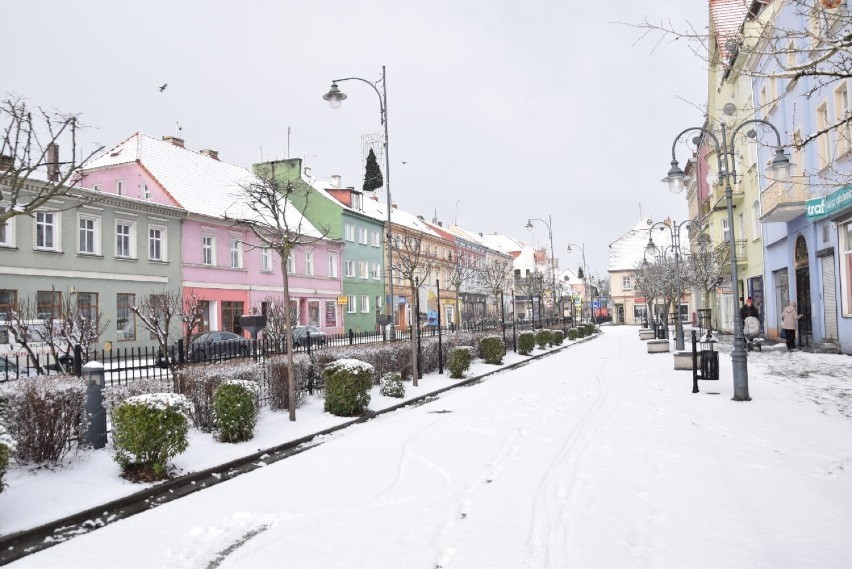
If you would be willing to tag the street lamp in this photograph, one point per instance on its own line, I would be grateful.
(585, 269)
(529, 226)
(335, 97)
(674, 232)
(780, 167)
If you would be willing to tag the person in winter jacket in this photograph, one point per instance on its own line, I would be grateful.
(789, 319)
(749, 309)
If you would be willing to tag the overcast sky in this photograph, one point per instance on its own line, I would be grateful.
(501, 110)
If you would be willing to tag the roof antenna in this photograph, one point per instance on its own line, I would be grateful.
(177, 129)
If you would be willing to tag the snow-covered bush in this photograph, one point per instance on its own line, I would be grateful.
(235, 410)
(385, 358)
(581, 330)
(492, 349)
(7, 447)
(198, 382)
(458, 361)
(544, 338)
(526, 342)
(148, 431)
(391, 385)
(46, 415)
(558, 337)
(115, 393)
(347, 387)
(276, 373)
(572, 334)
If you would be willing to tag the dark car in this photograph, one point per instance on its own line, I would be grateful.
(217, 346)
(11, 369)
(301, 335)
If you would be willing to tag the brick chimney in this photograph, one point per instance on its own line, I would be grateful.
(393, 205)
(335, 180)
(53, 162)
(214, 154)
(6, 162)
(174, 140)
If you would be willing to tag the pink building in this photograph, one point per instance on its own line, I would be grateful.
(224, 264)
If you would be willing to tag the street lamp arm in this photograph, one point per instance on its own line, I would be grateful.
(372, 84)
(700, 129)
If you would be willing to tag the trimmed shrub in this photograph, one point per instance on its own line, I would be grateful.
(526, 342)
(590, 329)
(558, 337)
(581, 331)
(235, 406)
(276, 374)
(198, 383)
(391, 385)
(46, 416)
(347, 387)
(572, 334)
(116, 393)
(492, 349)
(458, 361)
(148, 431)
(544, 338)
(7, 447)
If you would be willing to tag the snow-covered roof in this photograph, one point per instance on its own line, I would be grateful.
(503, 243)
(197, 182)
(377, 210)
(626, 252)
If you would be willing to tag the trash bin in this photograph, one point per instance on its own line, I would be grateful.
(709, 357)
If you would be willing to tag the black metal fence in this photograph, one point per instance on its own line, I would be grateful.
(127, 364)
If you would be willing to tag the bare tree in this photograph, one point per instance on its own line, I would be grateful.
(159, 312)
(460, 271)
(192, 313)
(30, 146)
(494, 277)
(412, 262)
(706, 266)
(531, 286)
(275, 331)
(649, 284)
(270, 210)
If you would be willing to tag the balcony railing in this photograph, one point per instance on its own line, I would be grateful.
(784, 201)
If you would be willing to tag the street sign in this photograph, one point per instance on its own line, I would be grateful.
(341, 300)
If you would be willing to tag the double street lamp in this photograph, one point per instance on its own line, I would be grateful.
(335, 97)
(585, 272)
(725, 157)
(674, 232)
(529, 226)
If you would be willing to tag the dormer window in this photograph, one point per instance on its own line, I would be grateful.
(357, 201)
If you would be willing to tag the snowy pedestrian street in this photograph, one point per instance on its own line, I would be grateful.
(596, 456)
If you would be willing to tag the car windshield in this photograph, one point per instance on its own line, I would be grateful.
(201, 338)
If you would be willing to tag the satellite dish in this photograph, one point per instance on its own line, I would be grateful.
(730, 109)
(732, 46)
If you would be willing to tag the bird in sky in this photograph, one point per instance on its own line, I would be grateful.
(404, 162)
(163, 87)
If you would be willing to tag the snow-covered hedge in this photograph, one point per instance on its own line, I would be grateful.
(46, 415)
(347, 386)
(558, 337)
(391, 385)
(198, 383)
(526, 342)
(492, 349)
(544, 338)
(572, 334)
(7, 447)
(149, 430)
(458, 361)
(276, 374)
(235, 408)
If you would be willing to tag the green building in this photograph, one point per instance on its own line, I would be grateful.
(339, 212)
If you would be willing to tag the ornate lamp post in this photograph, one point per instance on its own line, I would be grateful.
(529, 226)
(780, 167)
(674, 232)
(335, 97)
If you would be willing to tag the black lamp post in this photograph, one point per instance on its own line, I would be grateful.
(725, 157)
(335, 97)
(529, 226)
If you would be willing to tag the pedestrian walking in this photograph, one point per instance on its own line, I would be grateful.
(748, 309)
(789, 319)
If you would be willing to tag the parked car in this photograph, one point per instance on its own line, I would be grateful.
(10, 369)
(217, 346)
(301, 335)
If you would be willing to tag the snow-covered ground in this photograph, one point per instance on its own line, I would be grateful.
(598, 456)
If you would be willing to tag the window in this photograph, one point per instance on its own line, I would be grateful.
(375, 238)
(349, 232)
(236, 252)
(125, 237)
(291, 263)
(845, 269)
(231, 312)
(125, 319)
(89, 235)
(362, 235)
(357, 203)
(798, 154)
(824, 142)
(841, 111)
(7, 230)
(350, 304)
(365, 303)
(755, 219)
(265, 259)
(47, 231)
(725, 235)
(156, 243)
(379, 303)
(208, 249)
(332, 265)
(8, 300)
(626, 283)
(349, 267)
(309, 263)
(145, 191)
(363, 269)
(330, 313)
(119, 187)
(87, 307)
(375, 271)
(48, 304)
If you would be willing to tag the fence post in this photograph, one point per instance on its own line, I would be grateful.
(351, 337)
(694, 364)
(96, 433)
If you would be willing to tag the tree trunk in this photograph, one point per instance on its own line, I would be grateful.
(288, 325)
(415, 332)
(458, 317)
